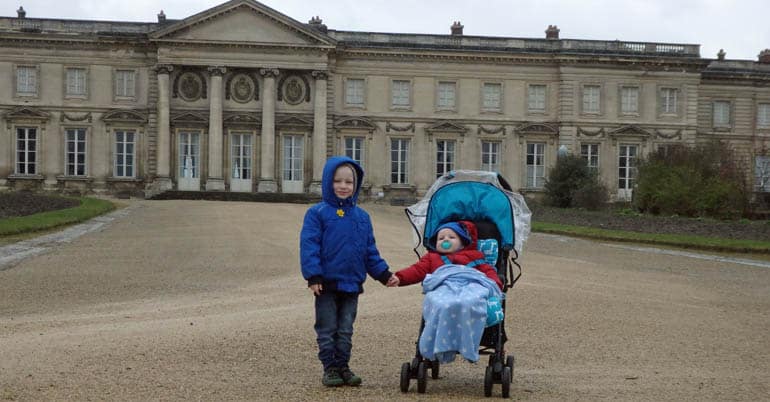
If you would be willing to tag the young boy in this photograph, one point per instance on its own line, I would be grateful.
(337, 250)
(452, 243)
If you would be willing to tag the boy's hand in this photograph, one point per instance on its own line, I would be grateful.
(393, 281)
(316, 289)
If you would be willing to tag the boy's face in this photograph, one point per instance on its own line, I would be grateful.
(344, 182)
(447, 241)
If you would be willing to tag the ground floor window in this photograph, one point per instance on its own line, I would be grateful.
(354, 149)
(26, 150)
(445, 157)
(490, 156)
(590, 153)
(75, 157)
(762, 173)
(240, 156)
(125, 154)
(399, 160)
(627, 166)
(536, 165)
(189, 155)
(292, 158)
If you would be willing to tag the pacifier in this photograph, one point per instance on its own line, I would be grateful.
(446, 245)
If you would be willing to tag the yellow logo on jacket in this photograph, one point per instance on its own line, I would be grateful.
(340, 213)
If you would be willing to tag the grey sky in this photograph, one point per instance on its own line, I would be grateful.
(738, 26)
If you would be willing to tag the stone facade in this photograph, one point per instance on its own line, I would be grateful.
(243, 98)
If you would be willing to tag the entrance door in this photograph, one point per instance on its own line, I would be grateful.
(292, 164)
(189, 161)
(626, 171)
(240, 162)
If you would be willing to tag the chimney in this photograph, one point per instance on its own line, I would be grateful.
(21, 13)
(318, 24)
(161, 17)
(764, 56)
(457, 28)
(721, 55)
(552, 32)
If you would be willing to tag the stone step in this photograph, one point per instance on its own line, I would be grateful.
(234, 196)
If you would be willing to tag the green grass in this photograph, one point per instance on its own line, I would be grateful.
(88, 208)
(683, 241)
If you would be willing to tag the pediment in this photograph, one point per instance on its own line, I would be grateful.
(355, 123)
(189, 118)
(242, 22)
(294, 122)
(26, 113)
(630, 130)
(538, 128)
(124, 116)
(446, 127)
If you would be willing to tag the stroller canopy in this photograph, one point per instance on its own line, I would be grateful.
(476, 196)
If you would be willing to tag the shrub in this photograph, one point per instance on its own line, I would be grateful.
(572, 184)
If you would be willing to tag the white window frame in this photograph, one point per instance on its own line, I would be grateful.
(591, 99)
(535, 165)
(488, 103)
(243, 152)
(590, 152)
(669, 106)
(123, 88)
(352, 145)
(627, 172)
(352, 94)
(71, 168)
(74, 86)
(446, 95)
(537, 102)
(629, 99)
(490, 150)
(25, 171)
(763, 115)
(721, 113)
(119, 148)
(400, 146)
(762, 173)
(401, 91)
(26, 80)
(446, 156)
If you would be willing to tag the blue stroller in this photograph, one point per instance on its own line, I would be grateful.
(503, 223)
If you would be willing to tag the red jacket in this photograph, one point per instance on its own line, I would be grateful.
(431, 261)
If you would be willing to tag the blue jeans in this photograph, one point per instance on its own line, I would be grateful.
(334, 317)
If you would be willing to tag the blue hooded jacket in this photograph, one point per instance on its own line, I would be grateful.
(337, 247)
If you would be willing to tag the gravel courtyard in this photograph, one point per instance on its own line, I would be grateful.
(197, 300)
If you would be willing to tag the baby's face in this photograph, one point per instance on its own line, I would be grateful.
(447, 241)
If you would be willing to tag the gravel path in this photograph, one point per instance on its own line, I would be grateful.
(195, 300)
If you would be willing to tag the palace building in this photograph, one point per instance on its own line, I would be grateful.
(243, 98)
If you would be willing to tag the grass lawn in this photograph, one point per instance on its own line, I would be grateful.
(43, 221)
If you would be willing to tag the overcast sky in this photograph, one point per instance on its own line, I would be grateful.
(739, 26)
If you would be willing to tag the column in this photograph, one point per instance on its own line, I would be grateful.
(163, 149)
(215, 180)
(267, 183)
(319, 130)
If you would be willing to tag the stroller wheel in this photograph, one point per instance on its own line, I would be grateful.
(488, 378)
(509, 361)
(505, 381)
(405, 371)
(422, 380)
(434, 369)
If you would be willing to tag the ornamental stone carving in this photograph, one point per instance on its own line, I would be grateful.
(293, 90)
(268, 72)
(190, 86)
(164, 68)
(242, 88)
(320, 75)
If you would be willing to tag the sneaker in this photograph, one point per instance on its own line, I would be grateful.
(332, 378)
(349, 378)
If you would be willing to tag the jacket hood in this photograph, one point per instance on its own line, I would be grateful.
(327, 181)
(467, 231)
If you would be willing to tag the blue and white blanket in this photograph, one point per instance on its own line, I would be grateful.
(455, 312)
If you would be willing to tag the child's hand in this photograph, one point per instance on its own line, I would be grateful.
(393, 281)
(316, 289)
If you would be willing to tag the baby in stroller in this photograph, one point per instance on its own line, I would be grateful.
(456, 298)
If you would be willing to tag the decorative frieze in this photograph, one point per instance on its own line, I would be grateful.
(73, 117)
(390, 126)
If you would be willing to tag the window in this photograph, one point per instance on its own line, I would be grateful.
(535, 165)
(354, 92)
(125, 83)
(627, 167)
(75, 157)
(668, 100)
(445, 157)
(445, 99)
(400, 93)
(590, 153)
(629, 100)
(76, 82)
(26, 81)
(240, 156)
(490, 156)
(125, 154)
(26, 150)
(536, 98)
(721, 114)
(354, 149)
(492, 96)
(591, 97)
(762, 173)
(763, 115)
(399, 160)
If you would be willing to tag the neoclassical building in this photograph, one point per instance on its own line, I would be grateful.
(243, 98)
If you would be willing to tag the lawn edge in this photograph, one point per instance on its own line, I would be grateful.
(89, 208)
